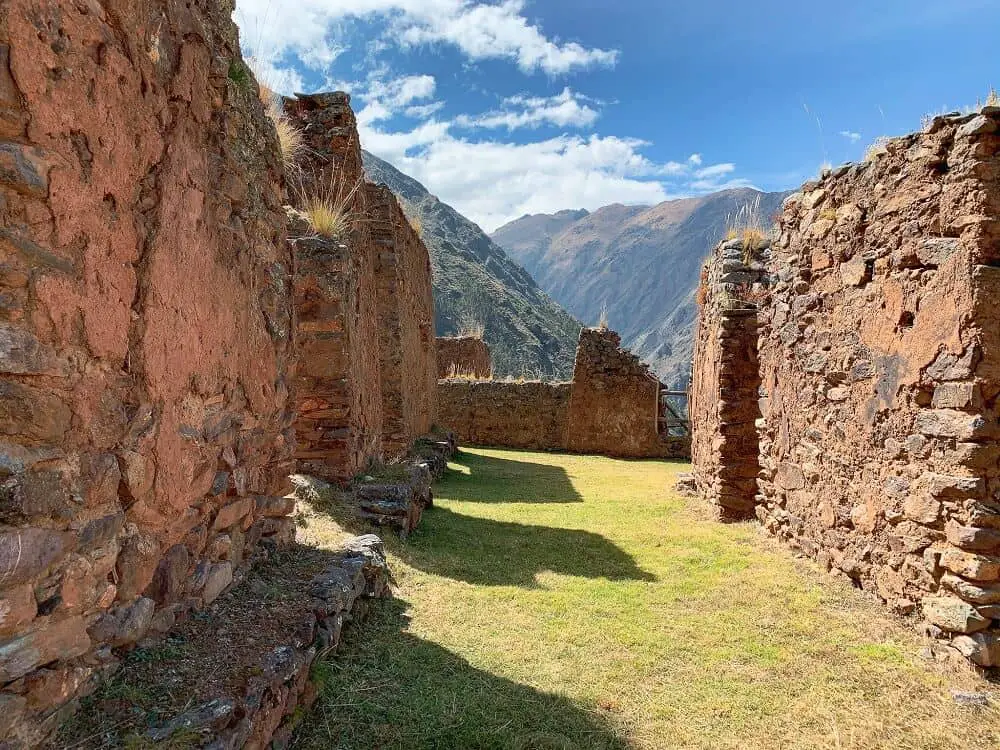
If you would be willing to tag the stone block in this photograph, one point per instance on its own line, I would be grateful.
(61, 640)
(27, 553)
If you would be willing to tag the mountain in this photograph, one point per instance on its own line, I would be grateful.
(639, 263)
(477, 284)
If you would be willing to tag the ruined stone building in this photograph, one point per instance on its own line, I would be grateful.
(846, 378)
(611, 407)
(159, 332)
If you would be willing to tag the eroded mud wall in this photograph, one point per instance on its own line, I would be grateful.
(145, 334)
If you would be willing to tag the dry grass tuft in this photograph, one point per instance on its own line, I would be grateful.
(290, 137)
(602, 322)
(327, 204)
(460, 373)
(747, 224)
(877, 149)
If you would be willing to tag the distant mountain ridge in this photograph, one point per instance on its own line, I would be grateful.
(640, 262)
(476, 283)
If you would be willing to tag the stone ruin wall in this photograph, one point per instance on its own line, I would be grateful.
(880, 369)
(609, 408)
(145, 336)
(338, 392)
(723, 396)
(466, 356)
(615, 403)
(367, 382)
(509, 414)
(406, 323)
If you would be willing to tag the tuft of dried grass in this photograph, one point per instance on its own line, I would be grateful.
(602, 322)
(455, 372)
(290, 138)
(472, 331)
(747, 224)
(327, 204)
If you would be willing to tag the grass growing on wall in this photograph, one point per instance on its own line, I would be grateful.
(552, 601)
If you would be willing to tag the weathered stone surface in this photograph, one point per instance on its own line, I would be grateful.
(980, 648)
(464, 356)
(27, 553)
(17, 609)
(64, 639)
(125, 625)
(953, 614)
(970, 565)
(220, 575)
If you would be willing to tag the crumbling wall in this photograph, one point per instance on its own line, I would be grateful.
(145, 333)
(338, 392)
(611, 407)
(725, 379)
(509, 414)
(464, 356)
(881, 370)
(614, 409)
(406, 320)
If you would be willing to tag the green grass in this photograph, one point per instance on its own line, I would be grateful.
(553, 601)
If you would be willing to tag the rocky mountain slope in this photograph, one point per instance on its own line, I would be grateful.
(642, 263)
(476, 283)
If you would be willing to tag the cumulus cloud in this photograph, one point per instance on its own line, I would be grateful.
(479, 30)
(567, 109)
(851, 135)
(695, 159)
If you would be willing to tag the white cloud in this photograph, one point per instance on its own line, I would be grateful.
(695, 159)
(851, 135)
(562, 110)
(479, 30)
(493, 182)
(385, 98)
(716, 170)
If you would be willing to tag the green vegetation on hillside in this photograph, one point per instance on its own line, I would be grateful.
(573, 602)
(476, 284)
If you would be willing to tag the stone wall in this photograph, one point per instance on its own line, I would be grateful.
(615, 406)
(145, 334)
(406, 324)
(610, 408)
(338, 390)
(466, 356)
(723, 407)
(509, 414)
(880, 366)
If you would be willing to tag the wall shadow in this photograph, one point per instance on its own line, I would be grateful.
(499, 553)
(391, 690)
(489, 479)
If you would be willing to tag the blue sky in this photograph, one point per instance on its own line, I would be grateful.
(507, 107)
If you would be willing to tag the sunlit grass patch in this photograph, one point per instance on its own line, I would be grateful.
(574, 601)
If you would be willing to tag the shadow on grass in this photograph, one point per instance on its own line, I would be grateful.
(498, 553)
(391, 690)
(489, 479)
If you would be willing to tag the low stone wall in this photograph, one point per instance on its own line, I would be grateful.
(615, 404)
(464, 356)
(508, 414)
(610, 408)
(879, 350)
(145, 335)
(723, 408)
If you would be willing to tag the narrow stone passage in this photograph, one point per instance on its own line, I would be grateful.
(556, 601)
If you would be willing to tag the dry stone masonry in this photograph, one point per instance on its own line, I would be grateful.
(465, 356)
(145, 337)
(878, 378)
(366, 385)
(724, 448)
(611, 407)
(338, 392)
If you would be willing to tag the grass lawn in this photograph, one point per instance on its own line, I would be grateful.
(553, 601)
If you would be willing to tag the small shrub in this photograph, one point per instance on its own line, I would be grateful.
(239, 74)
